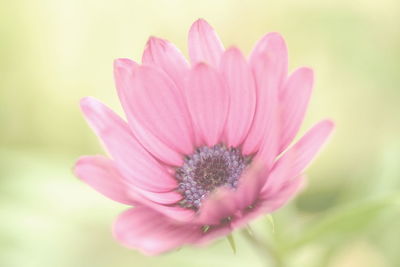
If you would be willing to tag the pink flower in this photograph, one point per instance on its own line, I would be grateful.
(202, 151)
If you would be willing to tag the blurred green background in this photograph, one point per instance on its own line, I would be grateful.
(53, 52)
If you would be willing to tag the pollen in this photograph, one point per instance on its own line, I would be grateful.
(208, 169)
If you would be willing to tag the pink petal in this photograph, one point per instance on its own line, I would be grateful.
(240, 82)
(158, 105)
(123, 68)
(134, 162)
(174, 212)
(268, 149)
(167, 57)
(218, 206)
(294, 100)
(272, 48)
(250, 185)
(227, 203)
(270, 203)
(152, 233)
(280, 173)
(149, 199)
(126, 79)
(208, 101)
(204, 44)
(269, 64)
(274, 201)
(297, 158)
(165, 198)
(100, 173)
(305, 150)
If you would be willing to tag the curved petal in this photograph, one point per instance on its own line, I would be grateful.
(164, 198)
(126, 80)
(269, 203)
(298, 157)
(167, 57)
(242, 91)
(305, 150)
(294, 100)
(152, 233)
(123, 68)
(218, 206)
(174, 212)
(100, 173)
(250, 185)
(269, 64)
(204, 44)
(284, 194)
(272, 48)
(158, 105)
(281, 172)
(208, 102)
(134, 162)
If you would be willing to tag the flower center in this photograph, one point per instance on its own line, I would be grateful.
(207, 169)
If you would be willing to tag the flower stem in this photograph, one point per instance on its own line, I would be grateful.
(264, 249)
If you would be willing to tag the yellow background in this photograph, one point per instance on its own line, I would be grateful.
(53, 52)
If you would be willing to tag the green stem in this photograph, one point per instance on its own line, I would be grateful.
(264, 249)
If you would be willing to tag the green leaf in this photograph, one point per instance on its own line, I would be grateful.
(232, 243)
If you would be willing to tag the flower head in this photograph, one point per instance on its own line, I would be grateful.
(205, 146)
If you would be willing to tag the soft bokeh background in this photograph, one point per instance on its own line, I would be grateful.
(53, 52)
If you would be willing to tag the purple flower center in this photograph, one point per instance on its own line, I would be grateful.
(207, 169)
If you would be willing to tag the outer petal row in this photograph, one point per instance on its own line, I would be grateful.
(199, 111)
(141, 106)
(131, 158)
(147, 94)
(141, 174)
(140, 227)
(100, 173)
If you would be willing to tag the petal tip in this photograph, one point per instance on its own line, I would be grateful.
(77, 166)
(201, 26)
(329, 124)
(305, 74)
(307, 70)
(90, 105)
(123, 63)
(274, 38)
(234, 50)
(86, 102)
(271, 42)
(274, 35)
(80, 164)
(201, 23)
(155, 41)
